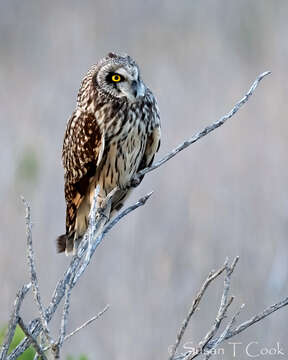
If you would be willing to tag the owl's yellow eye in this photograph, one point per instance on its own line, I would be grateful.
(116, 78)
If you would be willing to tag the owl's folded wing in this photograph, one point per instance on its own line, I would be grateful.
(82, 151)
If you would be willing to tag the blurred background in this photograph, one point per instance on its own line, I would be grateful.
(224, 196)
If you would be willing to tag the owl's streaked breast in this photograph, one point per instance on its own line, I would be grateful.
(126, 138)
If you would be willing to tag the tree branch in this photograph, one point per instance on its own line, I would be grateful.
(88, 322)
(212, 276)
(13, 320)
(34, 342)
(75, 267)
(210, 342)
(254, 319)
(64, 316)
(205, 131)
(33, 273)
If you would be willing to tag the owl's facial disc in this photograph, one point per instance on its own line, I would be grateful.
(130, 85)
(123, 81)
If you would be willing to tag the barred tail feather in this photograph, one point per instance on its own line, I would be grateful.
(65, 243)
(61, 243)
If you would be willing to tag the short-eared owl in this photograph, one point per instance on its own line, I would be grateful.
(113, 133)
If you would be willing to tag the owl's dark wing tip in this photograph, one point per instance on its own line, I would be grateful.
(61, 243)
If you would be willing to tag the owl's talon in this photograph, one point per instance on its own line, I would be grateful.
(102, 213)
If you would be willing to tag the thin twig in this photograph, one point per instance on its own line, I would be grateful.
(87, 323)
(212, 276)
(64, 317)
(229, 333)
(221, 338)
(227, 281)
(125, 212)
(220, 316)
(254, 319)
(34, 342)
(13, 320)
(224, 305)
(67, 337)
(33, 273)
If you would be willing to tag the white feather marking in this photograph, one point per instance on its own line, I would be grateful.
(101, 150)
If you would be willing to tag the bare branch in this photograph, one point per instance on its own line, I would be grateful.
(67, 337)
(97, 220)
(93, 224)
(13, 320)
(59, 293)
(34, 342)
(33, 274)
(64, 316)
(220, 316)
(254, 319)
(87, 323)
(107, 228)
(224, 333)
(224, 305)
(212, 276)
(206, 130)
(210, 342)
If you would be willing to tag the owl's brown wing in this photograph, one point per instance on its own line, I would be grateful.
(152, 146)
(82, 151)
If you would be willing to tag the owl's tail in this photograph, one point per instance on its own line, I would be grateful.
(64, 243)
(61, 243)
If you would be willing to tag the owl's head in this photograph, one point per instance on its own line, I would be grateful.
(119, 77)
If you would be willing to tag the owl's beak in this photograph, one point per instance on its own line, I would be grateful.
(138, 89)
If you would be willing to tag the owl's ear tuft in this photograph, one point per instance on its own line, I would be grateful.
(112, 55)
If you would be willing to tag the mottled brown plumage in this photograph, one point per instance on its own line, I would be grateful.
(113, 133)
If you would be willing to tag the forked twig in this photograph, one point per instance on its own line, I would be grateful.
(76, 263)
(221, 338)
(224, 305)
(33, 273)
(212, 276)
(210, 342)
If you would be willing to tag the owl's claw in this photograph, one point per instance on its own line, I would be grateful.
(101, 212)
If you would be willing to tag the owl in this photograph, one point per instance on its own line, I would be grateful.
(113, 133)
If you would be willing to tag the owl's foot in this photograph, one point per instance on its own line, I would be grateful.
(103, 213)
(76, 243)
